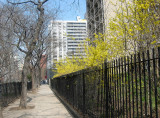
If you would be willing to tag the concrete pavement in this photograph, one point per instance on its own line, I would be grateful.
(43, 104)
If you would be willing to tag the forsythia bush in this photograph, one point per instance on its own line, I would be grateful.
(137, 23)
(96, 53)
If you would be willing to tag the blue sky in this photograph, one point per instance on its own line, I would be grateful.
(67, 9)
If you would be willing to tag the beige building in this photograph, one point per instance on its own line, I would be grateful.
(99, 13)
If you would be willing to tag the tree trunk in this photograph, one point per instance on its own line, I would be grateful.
(1, 115)
(23, 100)
(39, 75)
(34, 83)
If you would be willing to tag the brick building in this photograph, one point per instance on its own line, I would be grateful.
(43, 64)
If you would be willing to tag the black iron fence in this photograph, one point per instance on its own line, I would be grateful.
(11, 91)
(126, 87)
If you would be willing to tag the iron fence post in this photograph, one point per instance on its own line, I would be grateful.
(84, 108)
(106, 82)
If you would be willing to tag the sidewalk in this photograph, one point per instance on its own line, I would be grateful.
(46, 106)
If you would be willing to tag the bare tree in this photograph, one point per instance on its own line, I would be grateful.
(27, 31)
(7, 50)
(8, 61)
(37, 60)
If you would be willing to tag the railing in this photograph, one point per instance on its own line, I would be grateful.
(127, 87)
(11, 91)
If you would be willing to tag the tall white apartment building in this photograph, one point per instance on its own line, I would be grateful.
(66, 39)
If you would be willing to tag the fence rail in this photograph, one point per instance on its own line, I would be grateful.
(11, 91)
(126, 87)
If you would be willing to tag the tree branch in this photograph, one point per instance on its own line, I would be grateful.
(29, 1)
(18, 46)
(44, 1)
